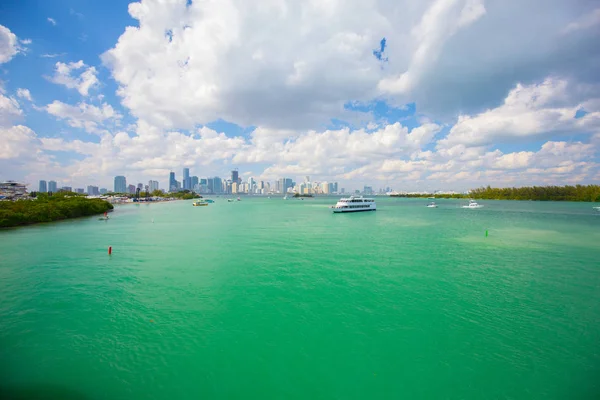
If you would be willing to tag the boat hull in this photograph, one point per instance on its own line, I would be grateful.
(351, 211)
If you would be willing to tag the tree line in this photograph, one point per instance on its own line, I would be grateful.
(47, 208)
(589, 193)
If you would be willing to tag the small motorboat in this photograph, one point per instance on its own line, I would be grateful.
(472, 204)
(432, 205)
(230, 200)
(238, 199)
(199, 203)
(209, 200)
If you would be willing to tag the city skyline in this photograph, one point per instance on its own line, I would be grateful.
(428, 99)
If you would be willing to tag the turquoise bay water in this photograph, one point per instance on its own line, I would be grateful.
(266, 298)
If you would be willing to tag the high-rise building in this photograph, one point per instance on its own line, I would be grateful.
(43, 187)
(186, 179)
(93, 191)
(120, 184)
(103, 190)
(234, 187)
(172, 182)
(325, 187)
(52, 186)
(194, 182)
(66, 189)
(217, 185)
(79, 190)
(335, 187)
(140, 186)
(131, 189)
(235, 176)
(152, 186)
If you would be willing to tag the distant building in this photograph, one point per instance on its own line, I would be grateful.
(131, 189)
(66, 189)
(368, 190)
(93, 191)
(342, 191)
(325, 187)
(103, 191)
(120, 184)
(152, 186)
(12, 190)
(335, 187)
(52, 187)
(194, 181)
(172, 182)
(235, 176)
(186, 181)
(234, 187)
(43, 188)
(79, 190)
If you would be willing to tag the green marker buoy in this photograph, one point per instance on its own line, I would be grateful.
(486, 233)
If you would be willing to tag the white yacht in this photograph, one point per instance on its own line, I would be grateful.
(597, 208)
(354, 204)
(472, 204)
(432, 205)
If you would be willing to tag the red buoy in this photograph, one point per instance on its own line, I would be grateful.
(109, 250)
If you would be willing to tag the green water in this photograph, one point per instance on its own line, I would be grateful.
(273, 299)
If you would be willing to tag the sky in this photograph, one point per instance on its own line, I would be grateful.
(408, 94)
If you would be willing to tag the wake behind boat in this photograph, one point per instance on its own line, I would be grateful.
(432, 205)
(472, 204)
(354, 204)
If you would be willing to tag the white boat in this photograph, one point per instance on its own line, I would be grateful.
(432, 205)
(597, 208)
(354, 204)
(285, 197)
(472, 204)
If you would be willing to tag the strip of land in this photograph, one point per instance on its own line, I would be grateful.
(46, 208)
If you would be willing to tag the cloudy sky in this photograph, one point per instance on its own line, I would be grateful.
(412, 94)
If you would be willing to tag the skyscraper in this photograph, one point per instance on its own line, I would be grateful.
(131, 189)
(217, 185)
(43, 187)
(194, 182)
(140, 186)
(93, 191)
(120, 184)
(186, 178)
(172, 182)
(152, 185)
(52, 186)
(234, 176)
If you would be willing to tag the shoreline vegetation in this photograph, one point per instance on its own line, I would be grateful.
(587, 193)
(44, 208)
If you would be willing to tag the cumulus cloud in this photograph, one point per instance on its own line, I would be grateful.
(16, 142)
(86, 116)
(52, 21)
(440, 22)
(24, 94)
(66, 74)
(9, 45)
(528, 111)
(10, 110)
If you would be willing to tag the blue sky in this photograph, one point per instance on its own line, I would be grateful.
(442, 94)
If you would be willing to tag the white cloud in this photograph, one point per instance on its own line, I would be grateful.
(52, 21)
(16, 142)
(9, 45)
(528, 111)
(586, 21)
(24, 94)
(441, 21)
(9, 110)
(86, 116)
(52, 55)
(65, 74)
